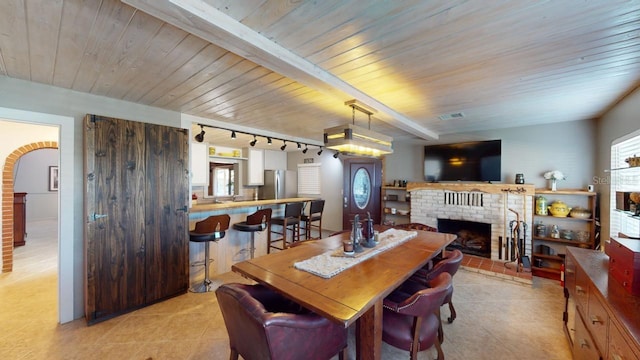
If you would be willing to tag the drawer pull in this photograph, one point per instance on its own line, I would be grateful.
(584, 344)
(579, 289)
(595, 320)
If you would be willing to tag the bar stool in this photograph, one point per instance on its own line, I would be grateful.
(210, 229)
(290, 221)
(315, 215)
(257, 221)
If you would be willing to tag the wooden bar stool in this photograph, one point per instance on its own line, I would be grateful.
(315, 216)
(210, 229)
(257, 221)
(289, 222)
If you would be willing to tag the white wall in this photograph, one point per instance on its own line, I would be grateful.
(31, 176)
(621, 120)
(29, 102)
(330, 183)
(530, 150)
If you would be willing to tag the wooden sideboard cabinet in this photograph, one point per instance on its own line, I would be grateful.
(601, 318)
(19, 218)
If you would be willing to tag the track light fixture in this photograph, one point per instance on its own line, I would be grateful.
(200, 136)
(320, 151)
(336, 154)
(234, 135)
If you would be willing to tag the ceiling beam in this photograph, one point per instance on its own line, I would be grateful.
(205, 21)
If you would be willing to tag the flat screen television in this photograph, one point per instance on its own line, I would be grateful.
(468, 161)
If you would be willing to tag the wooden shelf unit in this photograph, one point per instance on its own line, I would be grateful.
(548, 265)
(401, 203)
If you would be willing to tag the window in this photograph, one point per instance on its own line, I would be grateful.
(222, 179)
(624, 179)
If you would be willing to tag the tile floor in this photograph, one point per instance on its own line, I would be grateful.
(499, 317)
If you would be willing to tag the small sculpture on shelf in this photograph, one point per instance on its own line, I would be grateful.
(554, 176)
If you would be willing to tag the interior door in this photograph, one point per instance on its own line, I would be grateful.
(136, 214)
(166, 217)
(362, 185)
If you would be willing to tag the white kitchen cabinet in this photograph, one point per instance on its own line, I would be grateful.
(254, 167)
(199, 164)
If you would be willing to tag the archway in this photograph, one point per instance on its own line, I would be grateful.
(7, 198)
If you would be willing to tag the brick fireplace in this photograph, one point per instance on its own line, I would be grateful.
(475, 202)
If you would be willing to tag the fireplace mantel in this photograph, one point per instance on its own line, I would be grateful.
(522, 189)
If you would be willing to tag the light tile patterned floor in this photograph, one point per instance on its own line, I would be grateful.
(498, 318)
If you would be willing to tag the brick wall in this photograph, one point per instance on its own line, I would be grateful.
(427, 206)
(7, 198)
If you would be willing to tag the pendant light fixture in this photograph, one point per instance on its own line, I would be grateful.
(350, 139)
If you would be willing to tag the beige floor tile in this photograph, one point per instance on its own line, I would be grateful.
(497, 319)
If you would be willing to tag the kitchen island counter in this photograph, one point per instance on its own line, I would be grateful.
(244, 204)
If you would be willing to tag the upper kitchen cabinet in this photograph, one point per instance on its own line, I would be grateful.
(254, 168)
(199, 164)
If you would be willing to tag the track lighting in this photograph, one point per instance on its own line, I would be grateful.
(336, 154)
(200, 137)
(234, 135)
(320, 151)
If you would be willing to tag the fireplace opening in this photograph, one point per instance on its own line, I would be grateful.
(474, 238)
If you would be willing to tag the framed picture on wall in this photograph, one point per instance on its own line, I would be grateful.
(53, 178)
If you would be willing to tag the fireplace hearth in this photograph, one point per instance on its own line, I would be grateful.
(474, 238)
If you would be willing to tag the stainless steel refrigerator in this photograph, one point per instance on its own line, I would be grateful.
(279, 184)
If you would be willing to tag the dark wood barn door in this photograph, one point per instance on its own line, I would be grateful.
(136, 210)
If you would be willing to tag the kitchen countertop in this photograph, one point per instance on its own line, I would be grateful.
(240, 204)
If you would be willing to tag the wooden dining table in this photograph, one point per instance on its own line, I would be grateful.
(354, 295)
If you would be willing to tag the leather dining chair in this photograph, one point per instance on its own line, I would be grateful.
(262, 324)
(410, 319)
(415, 226)
(449, 264)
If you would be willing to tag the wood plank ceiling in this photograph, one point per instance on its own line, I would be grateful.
(287, 67)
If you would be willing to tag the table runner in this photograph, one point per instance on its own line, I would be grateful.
(327, 265)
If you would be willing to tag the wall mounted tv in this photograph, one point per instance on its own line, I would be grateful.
(468, 161)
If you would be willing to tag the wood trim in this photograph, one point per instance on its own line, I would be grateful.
(522, 189)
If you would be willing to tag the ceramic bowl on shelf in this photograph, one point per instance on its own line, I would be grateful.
(559, 209)
(580, 213)
(403, 212)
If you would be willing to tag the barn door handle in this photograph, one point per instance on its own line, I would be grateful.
(94, 217)
(184, 208)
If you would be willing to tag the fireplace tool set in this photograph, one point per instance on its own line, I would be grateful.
(515, 249)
